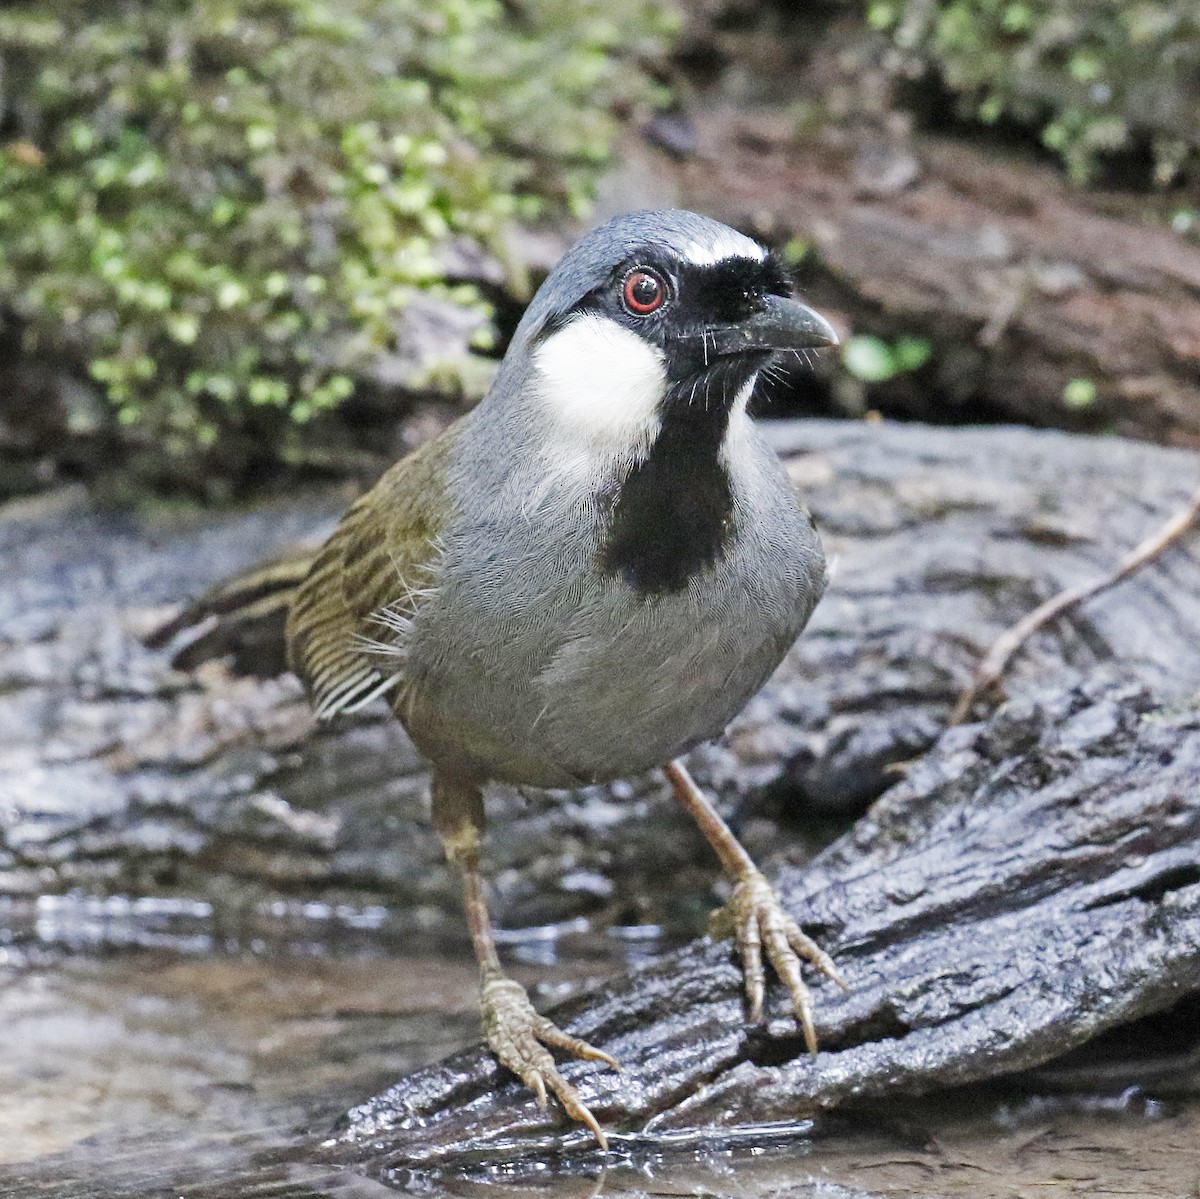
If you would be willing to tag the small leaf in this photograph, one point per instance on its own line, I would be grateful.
(1080, 393)
(869, 358)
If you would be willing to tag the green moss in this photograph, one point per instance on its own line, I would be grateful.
(223, 208)
(1094, 77)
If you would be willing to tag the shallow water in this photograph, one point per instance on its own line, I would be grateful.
(157, 1048)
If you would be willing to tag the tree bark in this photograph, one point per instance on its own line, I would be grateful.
(1032, 882)
(121, 775)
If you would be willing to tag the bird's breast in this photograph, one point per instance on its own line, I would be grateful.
(561, 659)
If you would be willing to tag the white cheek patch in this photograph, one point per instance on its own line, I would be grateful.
(729, 244)
(602, 384)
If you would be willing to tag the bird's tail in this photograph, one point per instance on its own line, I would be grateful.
(242, 617)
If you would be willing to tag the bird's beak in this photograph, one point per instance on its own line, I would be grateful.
(783, 324)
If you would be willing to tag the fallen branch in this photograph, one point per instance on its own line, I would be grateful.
(991, 669)
(126, 776)
(1033, 882)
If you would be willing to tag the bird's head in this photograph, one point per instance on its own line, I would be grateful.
(659, 316)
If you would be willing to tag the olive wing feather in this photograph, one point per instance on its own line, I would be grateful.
(348, 623)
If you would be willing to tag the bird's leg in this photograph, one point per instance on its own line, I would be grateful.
(514, 1031)
(754, 916)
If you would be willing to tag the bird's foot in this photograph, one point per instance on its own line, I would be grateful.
(517, 1035)
(755, 918)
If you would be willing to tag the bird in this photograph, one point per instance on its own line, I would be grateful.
(584, 577)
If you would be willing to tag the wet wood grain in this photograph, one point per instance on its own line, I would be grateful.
(122, 774)
(1031, 884)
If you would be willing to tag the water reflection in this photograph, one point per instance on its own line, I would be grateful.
(160, 1047)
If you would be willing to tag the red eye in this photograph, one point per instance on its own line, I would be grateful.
(644, 292)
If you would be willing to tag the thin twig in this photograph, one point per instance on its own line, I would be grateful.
(991, 670)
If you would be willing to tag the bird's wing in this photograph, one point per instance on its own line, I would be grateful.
(347, 626)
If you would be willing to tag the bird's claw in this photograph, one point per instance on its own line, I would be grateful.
(756, 919)
(518, 1036)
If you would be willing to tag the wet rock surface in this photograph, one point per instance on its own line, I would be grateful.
(122, 775)
(215, 1073)
(1032, 883)
(1030, 886)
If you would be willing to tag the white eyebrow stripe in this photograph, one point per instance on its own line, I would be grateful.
(729, 245)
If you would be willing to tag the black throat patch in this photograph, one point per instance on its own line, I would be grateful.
(673, 514)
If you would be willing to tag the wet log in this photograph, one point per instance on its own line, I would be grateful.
(121, 775)
(1033, 882)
